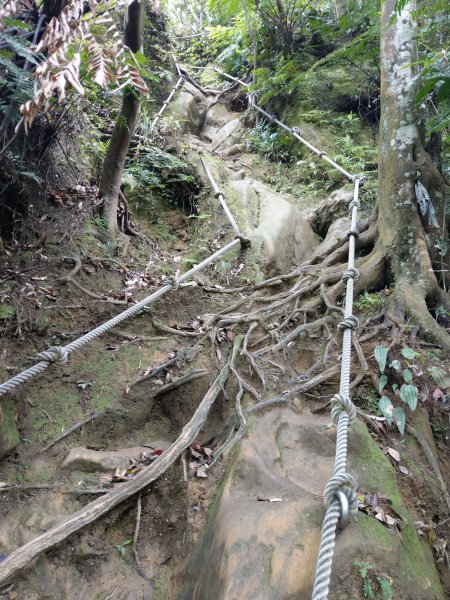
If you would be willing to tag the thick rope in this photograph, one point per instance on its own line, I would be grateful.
(291, 130)
(245, 241)
(168, 100)
(343, 413)
(59, 355)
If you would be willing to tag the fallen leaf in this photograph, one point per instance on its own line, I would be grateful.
(395, 455)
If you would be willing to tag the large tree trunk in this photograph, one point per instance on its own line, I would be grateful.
(113, 164)
(409, 243)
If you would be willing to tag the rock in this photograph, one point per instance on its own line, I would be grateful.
(229, 133)
(283, 237)
(336, 233)
(82, 459)
(261, 550)
(9, 434)
(330, 209)
(189, 108)
(232, 150)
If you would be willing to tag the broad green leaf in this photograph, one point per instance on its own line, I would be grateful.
(383, 382)
(380, 353)
(409, 394)
(408, 353)
(386, 408)
(400, 419)
(396, 364)
(407, 376)
(439, 376)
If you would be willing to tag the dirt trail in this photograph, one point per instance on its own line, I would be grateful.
(248, 527)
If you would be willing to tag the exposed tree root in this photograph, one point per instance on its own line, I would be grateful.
(22, 557)
(432, 461)
(182, 380)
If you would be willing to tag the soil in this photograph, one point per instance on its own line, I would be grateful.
(97, 563)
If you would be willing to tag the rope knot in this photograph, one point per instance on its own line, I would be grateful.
(55, 354)
(341, 482)
(353, 231)
(350, 273)
(354, 203)
(172, 281)
(245, 241)
(350, 322)
(340, 404)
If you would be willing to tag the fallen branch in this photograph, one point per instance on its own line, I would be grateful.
(91, 416)
(22, 557)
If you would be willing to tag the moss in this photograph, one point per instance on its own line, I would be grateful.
(9, 436)
(376, 473)
(7, 311)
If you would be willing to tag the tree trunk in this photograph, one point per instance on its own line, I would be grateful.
(114, 161)
(409, 242)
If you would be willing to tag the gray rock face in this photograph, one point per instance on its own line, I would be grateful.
(189, 108)
(262, 537)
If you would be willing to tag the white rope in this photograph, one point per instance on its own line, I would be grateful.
(167, 101)
(291, 130)
(59, 355)
(341, 487)
(245, 241)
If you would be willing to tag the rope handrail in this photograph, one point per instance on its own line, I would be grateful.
(291, 130)
(60, 354)
(167, 101)
(245, 241)
(340, 491)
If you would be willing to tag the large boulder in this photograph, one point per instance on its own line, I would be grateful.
(262, 536)
(189, 108)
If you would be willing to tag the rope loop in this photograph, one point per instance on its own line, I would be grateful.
(341, 482)
(350, 273)
(245, 241)
(353, 231)
(350, 322)
(341, 403)
(172, 281)
(55, 354)
(354, 203)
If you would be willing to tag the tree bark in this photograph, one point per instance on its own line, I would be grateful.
(408, 243)
(114, 161)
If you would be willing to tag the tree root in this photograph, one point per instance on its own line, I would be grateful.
(183, 379)
(431, 460)
(166, 329)
(185, 355)
(69, 278)
(22, 557)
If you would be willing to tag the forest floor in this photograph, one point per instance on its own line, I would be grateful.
(46, 308)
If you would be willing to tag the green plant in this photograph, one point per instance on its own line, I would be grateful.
(122, 548)
(366, 301)
(439, 430)
(407, 392)
(373, 584)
